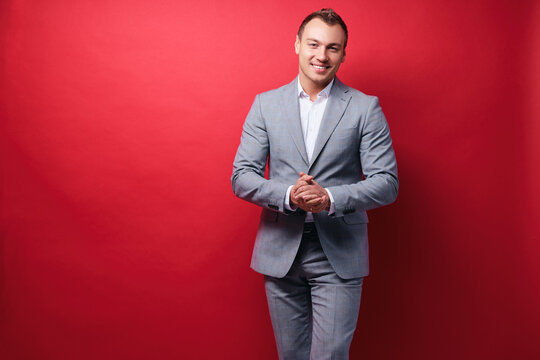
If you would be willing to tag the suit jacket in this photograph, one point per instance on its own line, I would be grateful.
(353, 158)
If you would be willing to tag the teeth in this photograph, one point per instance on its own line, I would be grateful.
(319, 67)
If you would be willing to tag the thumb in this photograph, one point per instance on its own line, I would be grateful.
(306, 177)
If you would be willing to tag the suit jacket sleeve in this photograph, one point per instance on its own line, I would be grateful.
(380, 184)
(248, 181)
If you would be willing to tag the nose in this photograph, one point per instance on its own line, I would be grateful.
(321, 54)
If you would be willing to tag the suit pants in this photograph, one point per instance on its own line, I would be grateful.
(313, 311)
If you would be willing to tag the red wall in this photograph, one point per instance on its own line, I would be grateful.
(120, 235)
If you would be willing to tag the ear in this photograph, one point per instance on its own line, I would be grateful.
(297, 45)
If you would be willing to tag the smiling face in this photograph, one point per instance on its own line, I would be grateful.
(321, 50)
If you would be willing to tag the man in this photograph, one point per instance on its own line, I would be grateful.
(330, 159)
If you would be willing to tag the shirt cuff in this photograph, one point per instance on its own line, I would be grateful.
(332, 205)
(287, 205)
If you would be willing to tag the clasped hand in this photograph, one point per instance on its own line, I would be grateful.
(308, 195)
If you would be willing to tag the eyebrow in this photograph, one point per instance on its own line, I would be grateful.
(317, 41)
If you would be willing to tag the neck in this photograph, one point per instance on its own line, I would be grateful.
(311, 88)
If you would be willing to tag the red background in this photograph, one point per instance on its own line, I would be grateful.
(120, 235)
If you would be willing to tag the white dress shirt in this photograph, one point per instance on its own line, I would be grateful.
(311, 113)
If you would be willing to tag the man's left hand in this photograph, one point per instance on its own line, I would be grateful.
(313, 197)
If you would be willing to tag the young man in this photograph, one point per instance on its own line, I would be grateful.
(330, 159)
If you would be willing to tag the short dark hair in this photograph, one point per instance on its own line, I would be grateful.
(330, 17)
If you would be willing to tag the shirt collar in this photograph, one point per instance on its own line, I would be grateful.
(324, 93)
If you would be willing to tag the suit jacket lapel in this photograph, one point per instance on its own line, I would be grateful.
(291, 110)
(335, 108)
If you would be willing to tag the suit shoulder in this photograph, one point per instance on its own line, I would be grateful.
(358, 95)
(275, 93)
(361, 103)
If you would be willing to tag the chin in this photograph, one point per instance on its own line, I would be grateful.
(324, 80)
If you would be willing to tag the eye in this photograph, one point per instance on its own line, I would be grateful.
(312, 44)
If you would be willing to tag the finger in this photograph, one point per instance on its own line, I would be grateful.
(307, 180)
(308, 186)
(323, 205)
(301, 182)
(301, 194)
(313, 201)
(313, 182)
(304, 187)
(296, 186)
(305, 176)
(308, 194)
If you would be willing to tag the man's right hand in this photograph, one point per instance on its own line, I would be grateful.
(304, 179)
(307, 201)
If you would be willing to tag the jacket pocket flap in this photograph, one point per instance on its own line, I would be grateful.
(269, 215)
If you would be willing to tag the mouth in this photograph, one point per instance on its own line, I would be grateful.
(320, 68)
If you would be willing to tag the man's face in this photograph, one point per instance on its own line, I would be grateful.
(320, 52)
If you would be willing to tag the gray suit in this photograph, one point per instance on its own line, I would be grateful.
(353, 158)
(354, 139)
